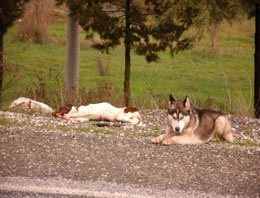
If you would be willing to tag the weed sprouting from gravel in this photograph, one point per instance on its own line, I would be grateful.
(6, 122)
(255, 144)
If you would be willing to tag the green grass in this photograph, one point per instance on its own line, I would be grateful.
(224, 81)
(6, 122)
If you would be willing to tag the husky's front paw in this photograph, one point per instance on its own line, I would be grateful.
(157, 140)
(168, 141)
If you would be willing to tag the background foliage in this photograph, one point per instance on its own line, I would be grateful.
(223, 81)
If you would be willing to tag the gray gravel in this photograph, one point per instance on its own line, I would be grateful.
(36, 146)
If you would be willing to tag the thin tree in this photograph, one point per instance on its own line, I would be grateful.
(127, 54)
(257, 61)
(10, 10)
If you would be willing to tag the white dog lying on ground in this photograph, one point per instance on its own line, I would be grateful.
(99, 111)
(31, 105)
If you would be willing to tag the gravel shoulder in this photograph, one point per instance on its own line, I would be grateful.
(36, 146)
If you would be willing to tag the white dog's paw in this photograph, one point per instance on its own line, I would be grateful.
(168, 141)
(141, 124)
(68, 120)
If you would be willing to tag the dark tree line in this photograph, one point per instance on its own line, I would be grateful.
(10, 10)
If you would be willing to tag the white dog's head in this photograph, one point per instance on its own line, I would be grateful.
(133, 114)
(29, 104)
(21, 101)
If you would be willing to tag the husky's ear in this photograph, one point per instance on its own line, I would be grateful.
(171, 98)
(186, 102)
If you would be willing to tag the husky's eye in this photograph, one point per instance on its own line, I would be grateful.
(174, 116)
(170, 111)
(181, 117)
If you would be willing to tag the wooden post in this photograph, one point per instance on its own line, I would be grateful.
(72, 59)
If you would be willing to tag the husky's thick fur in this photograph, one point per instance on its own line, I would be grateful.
(188, 125)
(99, 111)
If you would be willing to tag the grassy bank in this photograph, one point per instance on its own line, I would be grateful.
(223, 81)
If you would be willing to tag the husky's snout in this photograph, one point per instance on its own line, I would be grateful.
(176, 125)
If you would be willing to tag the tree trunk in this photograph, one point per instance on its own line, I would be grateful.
(257, 62)
(72, 59)
(213, 36)
(37, 31)
(127, 55)
(1, 64)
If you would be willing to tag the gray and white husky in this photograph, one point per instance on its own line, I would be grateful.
(189, 125)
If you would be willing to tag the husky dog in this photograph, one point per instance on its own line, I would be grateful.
(188, 125)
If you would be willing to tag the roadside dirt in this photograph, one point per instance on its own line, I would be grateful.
(41, 151)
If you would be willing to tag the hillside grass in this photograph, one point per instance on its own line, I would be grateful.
(224, 81)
